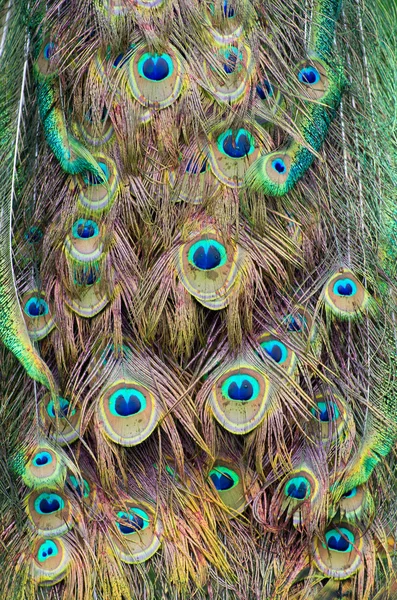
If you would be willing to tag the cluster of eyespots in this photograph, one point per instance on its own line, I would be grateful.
(194, 166)
(47, 504)
(325, 412)
(41, 459)
(276, 350)
(345, 287)
(241, 388)
(309, 76)
(79, 486)
(93, 179)
(155, 67)
(278, 164)
(340, 540)
(265, 90)
(224, 479)
(85, 229)
(132, 521)
(126, 402)
(33, 235)
(47, 549)
(36, 307)
(63, 409)
(236, 143)
(49, 50)
(207, 255)
(298, 488)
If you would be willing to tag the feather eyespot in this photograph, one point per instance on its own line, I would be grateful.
(128, 413)
(49, 512)
(138, 532)
(206, 255)
(44, 467)
(227, 479)
(309, 75)
(345, 296)
(49, 50)
(37, 314)
(224, 479)
(236, 143)
(326, 412)
(298, 488)
(92, 179)
(314, 79)
(50, 561)
(155, 67)
(265, 90)
(277, 351)
(61, 415)
(339, 555)
(239, 398)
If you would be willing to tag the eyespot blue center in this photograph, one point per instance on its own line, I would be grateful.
(85, 229)
(298, 488)
(155, 67)
(207, 255)
(326, 412)
(46, 504)
(233, 60)
(132, 521)
(276, 350)
(264, 91)
(236, 143)
(279, 166)
(194, 167)
(224, 479)
(63, 410)
(309, 75)
(351, 493)
(93, 179)
(87, 276)
(81, 487)
(49, 50)
(345, 287)
(341, 540)
(296, 323)
(36, 307)
(241, 388)
(47, 549)
(41, 459)
(127, 402)
(120, 60)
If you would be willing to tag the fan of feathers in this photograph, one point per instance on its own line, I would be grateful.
(198, 294)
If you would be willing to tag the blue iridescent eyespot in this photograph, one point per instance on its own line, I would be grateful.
(296, 324)
(351, 493)
(298, 488)
(135, 520)
(340, 540)
(41, 459)
(63, 410)
(276, 350)
(279, 165)
(309, 76)
(194, 166)
(344, 287)
(240, 388)
(33, 235)
(224, 479)
(92, 179)
(85, 229)
(127, 402)
(325, 412)
(46, 504)
(81, 487)
(155, 67)
(47, 549)
(36, 307)
(49, 50)
(206, 255)
(265, 91)
(236, 143)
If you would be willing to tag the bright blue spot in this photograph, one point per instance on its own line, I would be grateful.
(133, 521)
(42, 458)
(155, 68)
(63, 409)
(119, 61)
(237, 144)
(46, 550)
(126, 402)
(297, 488)
(276, 350)
(85, 229)
(49, 50)
(241, 392)
(221, 481)
(207, 258)
(36, 307)
(92, 179)
(309, 76)
(46, 504)
(326, 412)
(279, 165)
(351, 493)
(345, 287)
(193, 166)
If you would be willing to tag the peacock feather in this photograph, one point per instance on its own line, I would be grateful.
(198, 299)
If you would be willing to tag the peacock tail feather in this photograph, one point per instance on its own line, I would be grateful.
(198, 299)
